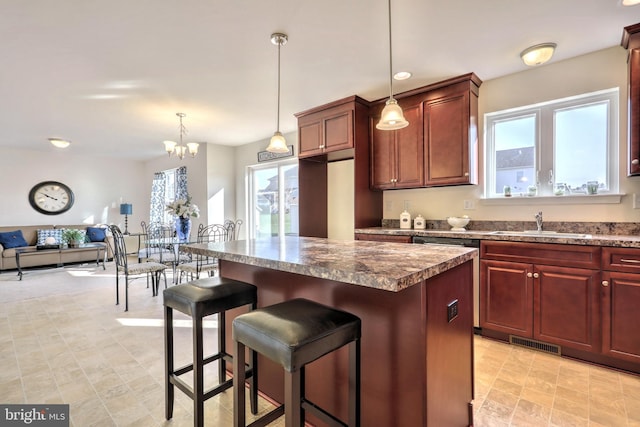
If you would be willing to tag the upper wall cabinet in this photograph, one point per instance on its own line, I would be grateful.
(397, 156)
(444, 118)
(631, 41)
(329, 128)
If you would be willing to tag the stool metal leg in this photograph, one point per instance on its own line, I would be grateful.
(238, 385)
(168, 361)
(198, 372)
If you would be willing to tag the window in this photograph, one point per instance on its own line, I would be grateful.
(558, 147)
(273, 206)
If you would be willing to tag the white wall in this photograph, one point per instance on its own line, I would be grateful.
(595, 71)
(99, 186)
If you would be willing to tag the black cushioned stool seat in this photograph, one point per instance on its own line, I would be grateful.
(198, 299)
(294, 333)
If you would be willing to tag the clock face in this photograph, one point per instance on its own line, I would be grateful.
(51, 198)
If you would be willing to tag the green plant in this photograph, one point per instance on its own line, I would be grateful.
(73, 235)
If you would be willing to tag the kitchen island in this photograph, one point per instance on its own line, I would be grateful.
(415, 303)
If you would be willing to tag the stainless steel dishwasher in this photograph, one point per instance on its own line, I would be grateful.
(468, 243)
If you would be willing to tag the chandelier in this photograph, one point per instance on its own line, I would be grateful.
(180, 149)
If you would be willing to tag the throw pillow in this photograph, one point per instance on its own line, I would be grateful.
(12, 239)
(96, 234)
(43, 234)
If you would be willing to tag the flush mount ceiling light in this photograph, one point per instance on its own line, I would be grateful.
(180, 149)
(538, 54)
(392, 117)
(60, 143)
(630, 2)
(277, 144)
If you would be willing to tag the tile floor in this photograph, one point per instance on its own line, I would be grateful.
(62, 340)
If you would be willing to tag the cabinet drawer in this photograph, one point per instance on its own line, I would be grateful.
(621, 259)
(383, 238)
(542, 253)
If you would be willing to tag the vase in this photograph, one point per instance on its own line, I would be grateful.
(183, 228)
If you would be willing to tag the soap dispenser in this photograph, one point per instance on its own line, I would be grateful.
(405, 219)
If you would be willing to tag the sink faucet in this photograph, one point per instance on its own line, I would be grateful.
(539, 221)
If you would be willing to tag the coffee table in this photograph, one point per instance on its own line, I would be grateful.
(99, 248)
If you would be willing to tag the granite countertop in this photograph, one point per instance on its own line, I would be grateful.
(386, 266)
(576, 237)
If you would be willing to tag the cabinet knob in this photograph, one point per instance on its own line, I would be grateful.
(635, 161)
(466, 174)
(605, 283)
(536, 275)
(529, 275)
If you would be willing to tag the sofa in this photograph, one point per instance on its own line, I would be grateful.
(31, 234)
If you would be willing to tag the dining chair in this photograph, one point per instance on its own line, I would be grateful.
(201, 263)
(233, 228)
(151, 270)
(164, 247)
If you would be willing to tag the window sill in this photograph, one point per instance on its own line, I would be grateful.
(574, 199)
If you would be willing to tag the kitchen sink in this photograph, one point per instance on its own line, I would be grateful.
(558, 234)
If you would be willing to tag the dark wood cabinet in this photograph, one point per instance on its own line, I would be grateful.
(383, 238)
(620, 303)
(397, 156)
(542, 291)
(328, 130)
(334, 132)
(450, 134)
(631, 42)
(439, 147)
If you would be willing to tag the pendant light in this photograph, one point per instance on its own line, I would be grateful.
(277, 144)
(179, 148)
(392, 117)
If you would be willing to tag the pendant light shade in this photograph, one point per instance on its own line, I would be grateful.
(392, 116)
(278, 144)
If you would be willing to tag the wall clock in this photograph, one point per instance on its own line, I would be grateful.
(51, 197)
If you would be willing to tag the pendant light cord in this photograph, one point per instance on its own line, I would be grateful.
(390, 57)
(278, 110)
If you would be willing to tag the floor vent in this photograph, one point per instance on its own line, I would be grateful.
(535, 345)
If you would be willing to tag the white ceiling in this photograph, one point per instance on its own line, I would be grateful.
(110, 75)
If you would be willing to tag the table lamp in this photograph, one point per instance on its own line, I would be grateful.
(126, 209)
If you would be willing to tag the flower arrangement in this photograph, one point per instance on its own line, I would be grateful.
(183, 208)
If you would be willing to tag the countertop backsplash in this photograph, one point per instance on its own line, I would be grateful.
(603, 228)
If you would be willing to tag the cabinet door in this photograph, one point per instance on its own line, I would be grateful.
(310, 136)
(338, 131)
(410, 150)
(506, 297)
(382, 167)
(566, 307)
(446, 140)
(621, 316)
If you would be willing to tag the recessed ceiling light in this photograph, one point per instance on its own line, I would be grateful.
(60, 143)
(404, 75)
(630, 2)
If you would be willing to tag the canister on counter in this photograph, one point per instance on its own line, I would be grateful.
(419, 223)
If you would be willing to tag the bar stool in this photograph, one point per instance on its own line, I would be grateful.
(294, 333)
(198, 299)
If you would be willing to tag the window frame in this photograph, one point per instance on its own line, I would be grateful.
(544, 148)
(251, 207)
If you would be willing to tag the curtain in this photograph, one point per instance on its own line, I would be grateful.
(156, 214)
(181, 183)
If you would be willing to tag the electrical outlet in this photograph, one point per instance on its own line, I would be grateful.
(452, 310)
(389, 205)
(636, 202)
(407, 205)
(468, 205)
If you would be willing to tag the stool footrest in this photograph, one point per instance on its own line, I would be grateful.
(188, 368)
(268, 418)
(320, 413)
